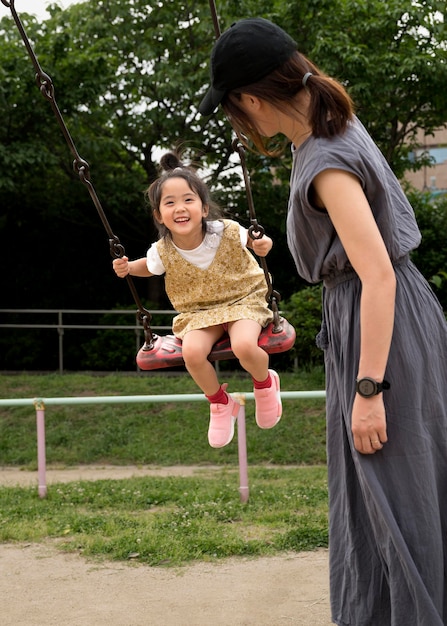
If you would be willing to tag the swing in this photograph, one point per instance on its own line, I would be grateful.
(166, 351)
(278, 336)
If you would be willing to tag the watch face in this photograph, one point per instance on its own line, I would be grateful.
(366, 387)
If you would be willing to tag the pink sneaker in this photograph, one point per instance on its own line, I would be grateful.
(268, 403)
(222, 418)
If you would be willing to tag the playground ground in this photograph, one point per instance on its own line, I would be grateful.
(40, 586)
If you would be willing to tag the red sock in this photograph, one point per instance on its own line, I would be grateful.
(218, 398)
(265, 384)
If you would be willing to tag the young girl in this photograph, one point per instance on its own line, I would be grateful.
(216, 285)
(384, 332)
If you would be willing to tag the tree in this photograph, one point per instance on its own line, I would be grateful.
(431, 256)
(128, 79)
(392, 57)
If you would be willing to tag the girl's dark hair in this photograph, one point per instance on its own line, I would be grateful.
(172, 167)
(330, 107)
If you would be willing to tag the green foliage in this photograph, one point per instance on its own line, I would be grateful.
(392, 56)
(439, 279)
(431, 256)
(172, 521)
(304, 310)
(110, 349)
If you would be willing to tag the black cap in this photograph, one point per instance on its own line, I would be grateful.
(246, 52)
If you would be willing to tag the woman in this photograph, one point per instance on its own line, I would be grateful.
(384, 333)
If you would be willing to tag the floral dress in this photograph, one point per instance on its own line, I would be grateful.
(233, 287)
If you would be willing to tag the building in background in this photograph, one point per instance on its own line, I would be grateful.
(434, 177)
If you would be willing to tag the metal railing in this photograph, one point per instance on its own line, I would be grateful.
(60, 326)
(40, 405)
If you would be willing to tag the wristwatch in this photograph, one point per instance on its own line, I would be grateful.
(368, 387)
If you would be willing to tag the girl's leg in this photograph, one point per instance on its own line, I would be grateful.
(196, 346)
(244, 336)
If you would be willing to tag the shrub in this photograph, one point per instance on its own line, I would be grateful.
(431, 256)
(303, 310)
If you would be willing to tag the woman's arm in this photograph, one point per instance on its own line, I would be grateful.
(342, 196)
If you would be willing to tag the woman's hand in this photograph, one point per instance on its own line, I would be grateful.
(369, 424)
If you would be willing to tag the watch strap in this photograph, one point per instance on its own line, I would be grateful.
(376, 387)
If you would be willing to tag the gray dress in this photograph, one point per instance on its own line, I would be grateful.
(388, 511)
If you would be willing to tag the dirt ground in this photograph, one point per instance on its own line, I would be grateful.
(41, 586)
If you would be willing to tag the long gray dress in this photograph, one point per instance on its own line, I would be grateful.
(388, 511)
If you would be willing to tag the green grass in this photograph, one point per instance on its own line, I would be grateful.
(160, 434)
(173, 521)
(164, 521)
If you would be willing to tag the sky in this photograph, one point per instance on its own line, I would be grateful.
(35, 7)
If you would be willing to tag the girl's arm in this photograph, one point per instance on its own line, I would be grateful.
(342, 196)
(261, 246)
(123, 267)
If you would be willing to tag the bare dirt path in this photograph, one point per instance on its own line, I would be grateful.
(40, 586)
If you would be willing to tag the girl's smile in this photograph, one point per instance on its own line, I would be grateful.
(181, 211)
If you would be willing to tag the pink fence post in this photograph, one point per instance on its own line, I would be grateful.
(242, 448)
(41, 454)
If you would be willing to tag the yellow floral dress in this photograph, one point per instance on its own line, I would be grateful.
(232, 288)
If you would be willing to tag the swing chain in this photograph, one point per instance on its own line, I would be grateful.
(116, 248)
(214, 18)
(46, 88)
(255, 231)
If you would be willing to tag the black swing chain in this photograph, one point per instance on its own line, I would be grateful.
(117, 251)
(255, 231)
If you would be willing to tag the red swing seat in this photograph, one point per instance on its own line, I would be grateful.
(166, 351)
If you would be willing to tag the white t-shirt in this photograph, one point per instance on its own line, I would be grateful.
(202, 256)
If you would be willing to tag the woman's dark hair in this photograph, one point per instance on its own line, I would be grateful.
(330, 107)
(172, 167)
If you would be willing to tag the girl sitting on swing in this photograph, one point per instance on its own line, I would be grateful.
(216, 285)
